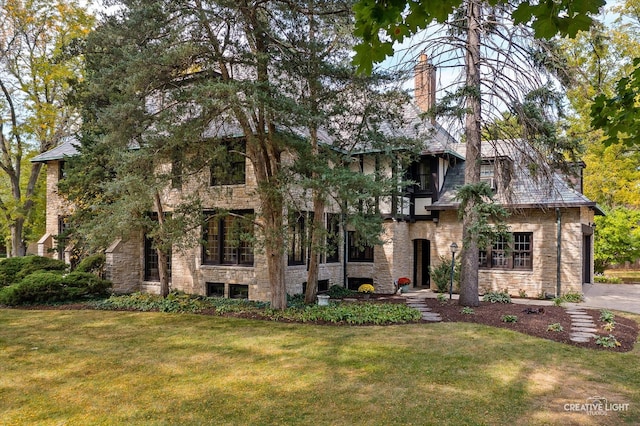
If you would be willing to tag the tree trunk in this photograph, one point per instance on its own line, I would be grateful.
(163, 264)
(469, 255)
(316, 244)
(18, 247)
(274, 248)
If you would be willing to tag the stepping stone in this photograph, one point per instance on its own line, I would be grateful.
(585, 317)
(432, 317)
(581, 334)
(584, 330)
(582, 324)
(580, 339)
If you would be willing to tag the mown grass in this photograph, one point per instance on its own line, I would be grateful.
(111, 368)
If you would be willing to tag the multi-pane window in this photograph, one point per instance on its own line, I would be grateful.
(229, 167)
(517, 255)
(359, 252)
(61, 242)
(298, 238)
(228, 239)
(333, 238)
(151, 266)
(522, 251)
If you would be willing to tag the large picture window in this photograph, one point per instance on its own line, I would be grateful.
(503, 255)
(229, 169)
(357, 251)
(228, 239)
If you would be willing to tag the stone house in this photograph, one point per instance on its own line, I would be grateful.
(551, 221)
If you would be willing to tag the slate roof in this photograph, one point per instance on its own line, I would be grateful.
(66, 148)
(524, 189)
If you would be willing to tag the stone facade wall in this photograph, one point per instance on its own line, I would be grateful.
(124, 266)
(393, 259)
(56, 207)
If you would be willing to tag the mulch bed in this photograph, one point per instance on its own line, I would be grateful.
(531, 320)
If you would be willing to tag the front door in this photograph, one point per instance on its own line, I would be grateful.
(421, 263)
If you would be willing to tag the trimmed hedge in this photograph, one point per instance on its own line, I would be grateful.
(14, 269)
(52, 287)
(94, 263)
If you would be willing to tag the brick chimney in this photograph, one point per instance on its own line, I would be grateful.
(425, 83)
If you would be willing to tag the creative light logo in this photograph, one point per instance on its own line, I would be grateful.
(596, 406)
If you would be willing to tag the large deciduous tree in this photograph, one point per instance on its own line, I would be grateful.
(174, 80)
(493, 42)
(36, 66)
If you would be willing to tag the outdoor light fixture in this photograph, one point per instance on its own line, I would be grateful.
(454, 249)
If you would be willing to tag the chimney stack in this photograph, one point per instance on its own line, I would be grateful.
(425, 83)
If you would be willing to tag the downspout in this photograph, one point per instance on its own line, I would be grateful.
(559, 252)
(344, 249)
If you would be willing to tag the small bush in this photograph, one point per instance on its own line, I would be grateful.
(509, 318)
(51, 287)
(607, 316)
(33, 264)
(607, 341)
(94, 264)
(39, 287)
(296, 300)
(338, 292)
(441, 275)
(555, 327)
(9, 268)
(85, 284)
(496, 297)
(603, 279)
(573, 297)
(467, 310)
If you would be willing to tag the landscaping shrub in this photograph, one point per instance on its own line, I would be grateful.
(441, 275)
(94, 264)
(85, 284)
(39, 287)
(9, 268)
(14, 269)
(51, 287)
(496, 297)
(338, 292)
(350, 313)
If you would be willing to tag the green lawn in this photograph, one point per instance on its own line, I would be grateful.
(101, 367)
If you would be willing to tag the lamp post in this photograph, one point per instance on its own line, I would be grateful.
(454, 249)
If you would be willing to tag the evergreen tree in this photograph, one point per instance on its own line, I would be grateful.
(169, 82)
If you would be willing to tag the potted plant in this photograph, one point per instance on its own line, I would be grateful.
(403, 284)
(367, 290)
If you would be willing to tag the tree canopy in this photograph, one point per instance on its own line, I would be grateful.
(169, 84)
(38, 61)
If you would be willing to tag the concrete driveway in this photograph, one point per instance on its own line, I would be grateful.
(621, 297)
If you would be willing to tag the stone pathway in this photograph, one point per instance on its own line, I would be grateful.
(427, 313)
(583, 328)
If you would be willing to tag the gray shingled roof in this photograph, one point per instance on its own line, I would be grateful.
(524, 189)
(66, 148)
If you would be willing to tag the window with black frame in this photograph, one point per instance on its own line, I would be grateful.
(332, 254)
(228, 238)
(517, 254)
(298, 238)
(229, 167)
(359, 252)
